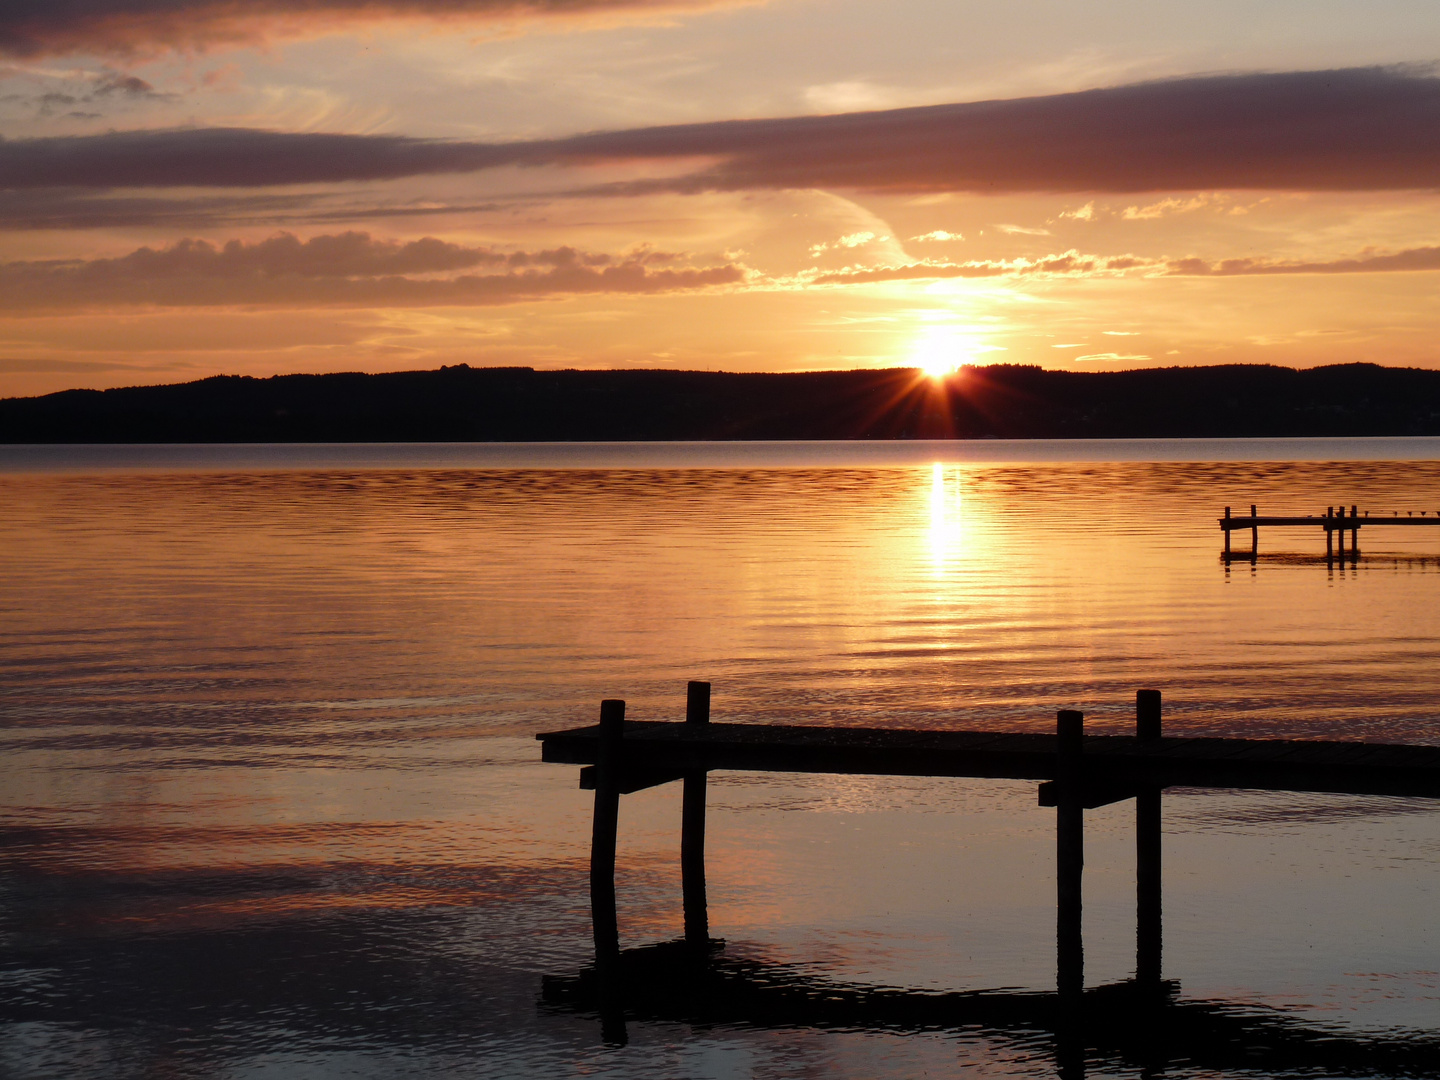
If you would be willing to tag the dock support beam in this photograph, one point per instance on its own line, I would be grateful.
(1254, 535)
(1354, 534)
(1070, 864)
(1329, 533)
(1070, 859)
(692, 830)
(1226, 529)
(602, 871)
(1147, 854)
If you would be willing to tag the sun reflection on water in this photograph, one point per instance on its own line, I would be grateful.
(946, 519)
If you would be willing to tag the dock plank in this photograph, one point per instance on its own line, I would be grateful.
(657, 748)
(1235, 524)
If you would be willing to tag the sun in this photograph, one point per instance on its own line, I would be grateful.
(939, 368)
(939, 355)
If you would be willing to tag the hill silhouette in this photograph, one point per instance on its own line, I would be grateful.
(462, 403)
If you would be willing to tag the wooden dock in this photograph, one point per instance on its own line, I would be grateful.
(1074, 772)
(1335, 521)
(657, 753)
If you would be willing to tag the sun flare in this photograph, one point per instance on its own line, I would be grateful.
(939, 354)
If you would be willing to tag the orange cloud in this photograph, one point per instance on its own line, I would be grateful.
(1073, 263)
(128, 28)
(1368, 262)
(346, 270)
(1070, 263)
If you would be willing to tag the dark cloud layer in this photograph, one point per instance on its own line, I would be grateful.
(231, 157)
(1349, 130)
(349, 269)
(30, 28)
(1357, 129)
(71, 208)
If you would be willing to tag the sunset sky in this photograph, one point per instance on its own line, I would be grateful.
(193, 187)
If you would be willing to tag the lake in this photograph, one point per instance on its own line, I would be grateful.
(272, 804)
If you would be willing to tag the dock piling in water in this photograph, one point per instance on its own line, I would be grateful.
(603, 916)
(1147, 852)
(692, 828)
(1069, 854)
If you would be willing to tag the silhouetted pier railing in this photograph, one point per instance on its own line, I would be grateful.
(1335, 521)
(1075, 772)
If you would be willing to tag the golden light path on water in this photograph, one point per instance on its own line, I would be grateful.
(269, 775)
(947, 531)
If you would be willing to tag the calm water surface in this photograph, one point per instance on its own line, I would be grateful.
(271, 803)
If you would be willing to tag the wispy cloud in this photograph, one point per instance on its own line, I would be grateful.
(1068, 264)
(74, 94)
(1166, 207)
(1073, 263)
(850, 240)
(232, 157)
(31, 365)
(66, 208)
(1367, 262)
(1356, 129)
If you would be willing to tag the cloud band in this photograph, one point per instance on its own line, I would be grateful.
(1367, 129)
(345, 270)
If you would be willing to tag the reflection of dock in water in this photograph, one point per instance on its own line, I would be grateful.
(1076, 772)
(1146, 1026)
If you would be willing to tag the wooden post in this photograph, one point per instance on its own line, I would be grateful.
(692, 829)
(1329, 533)
(603, 918)
(1254, 535)
(1225, 528)
(1147, 714)
(1340, 532)
(1070, 858)
(1147, 853)
(1354, 533)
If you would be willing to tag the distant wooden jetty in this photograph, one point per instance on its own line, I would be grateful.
(1075, 772)
(1335, 521)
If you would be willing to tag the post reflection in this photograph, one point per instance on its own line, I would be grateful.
(1133, 1024)
(1143, 1022)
